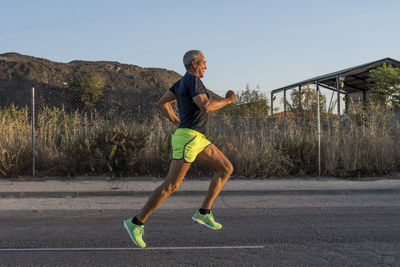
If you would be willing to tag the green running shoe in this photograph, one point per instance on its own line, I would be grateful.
(135, 232)
(207, 220)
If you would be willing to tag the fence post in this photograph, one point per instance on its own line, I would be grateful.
(318, 130)
(33, 131)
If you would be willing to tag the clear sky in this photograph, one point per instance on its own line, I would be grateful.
(264, 43)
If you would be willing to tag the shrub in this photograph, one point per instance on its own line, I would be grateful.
(384, 83)
(304, 102)
(90, 87)
(250, 103)
(120, 147)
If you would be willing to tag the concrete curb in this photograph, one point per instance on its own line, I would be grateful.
(86, 194)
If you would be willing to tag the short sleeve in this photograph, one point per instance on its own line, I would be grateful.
(173, 88)
(197, 87)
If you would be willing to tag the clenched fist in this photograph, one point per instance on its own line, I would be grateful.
(231, 95)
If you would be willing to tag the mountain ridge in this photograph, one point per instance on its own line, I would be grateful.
(128, 88)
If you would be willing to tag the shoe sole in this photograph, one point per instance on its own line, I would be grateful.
(130, 235)
(203, 223)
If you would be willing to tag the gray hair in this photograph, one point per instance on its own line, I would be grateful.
(190, 56)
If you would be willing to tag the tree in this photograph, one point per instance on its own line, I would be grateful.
(250, 103)
(304, 102)
(384, 83)
(91, 87)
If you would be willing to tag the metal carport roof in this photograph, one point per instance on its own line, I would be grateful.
(355, 78)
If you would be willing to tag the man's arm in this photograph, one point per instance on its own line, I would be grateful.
(208, 105)
(164, 104)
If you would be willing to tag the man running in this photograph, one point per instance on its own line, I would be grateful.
(188, 143)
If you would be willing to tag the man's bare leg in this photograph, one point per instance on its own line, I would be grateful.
(176, 173)
(214, 158)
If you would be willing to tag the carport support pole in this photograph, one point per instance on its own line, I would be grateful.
(272, 103)
(364, 93)
(284, 103)
(300, 97)
(338, 94)
(318, 130)
(33, 131)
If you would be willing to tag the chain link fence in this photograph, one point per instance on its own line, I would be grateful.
(124, 134)
(55, 132)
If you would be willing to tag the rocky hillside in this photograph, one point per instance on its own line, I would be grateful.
(128, 89)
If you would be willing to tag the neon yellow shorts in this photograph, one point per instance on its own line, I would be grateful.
(187, 144)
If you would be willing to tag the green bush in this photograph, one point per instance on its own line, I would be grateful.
(91, 88)
(384, 83)
(250, 103)
(121, 147)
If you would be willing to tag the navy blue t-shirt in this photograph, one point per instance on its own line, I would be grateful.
(190, 115)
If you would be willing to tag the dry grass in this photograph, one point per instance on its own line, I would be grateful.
(362, 144)
(15, 143)
(72, 144)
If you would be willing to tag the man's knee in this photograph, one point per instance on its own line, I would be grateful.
(170, 188)
(229, 168)
(226, 169)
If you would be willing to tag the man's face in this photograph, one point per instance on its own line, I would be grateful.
(200, 66)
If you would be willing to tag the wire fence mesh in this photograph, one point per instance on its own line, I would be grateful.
(64, 127)
(125, 134)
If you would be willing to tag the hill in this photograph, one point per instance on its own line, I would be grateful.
(128, 89)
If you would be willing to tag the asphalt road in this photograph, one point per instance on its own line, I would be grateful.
(312, 236)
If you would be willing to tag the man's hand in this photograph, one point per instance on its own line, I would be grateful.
(164, 104)
(231, 96)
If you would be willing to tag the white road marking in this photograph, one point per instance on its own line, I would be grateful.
(119, 249)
